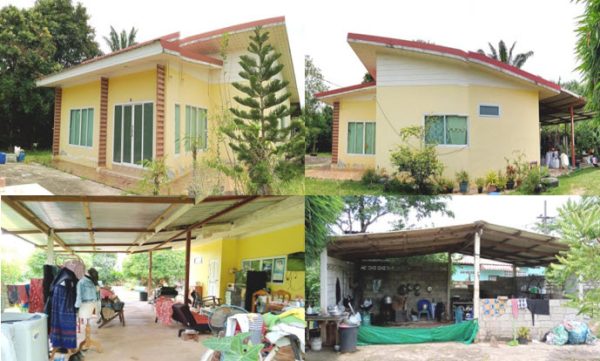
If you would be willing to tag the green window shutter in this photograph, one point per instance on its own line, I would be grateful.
(127, 119)
(202, 128)
(77, 134)
(434, 129)
(83, 130)
(351, 137)
(148, 131)
(177, 128)
(456, 130)
(72, 127)
(194, 123)
(369, 138)
(118, 132)
(188, 127)
(90, 127)
(359, 138)
(137, 133)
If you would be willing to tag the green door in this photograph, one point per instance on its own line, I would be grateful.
(133, 133)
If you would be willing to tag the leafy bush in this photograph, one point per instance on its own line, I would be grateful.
(401, 182)
(370, 177)
(421, 161)
(491, 179)
(462, 176)
(480, 182)
(445, 185)
(532, 181)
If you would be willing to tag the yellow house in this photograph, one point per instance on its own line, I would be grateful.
(271, 240)
(478, 111)
(148, 100)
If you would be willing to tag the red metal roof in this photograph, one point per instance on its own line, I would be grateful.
(443, 50)
(345, 89)
(234, 28)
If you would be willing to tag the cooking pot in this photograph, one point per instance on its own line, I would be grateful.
(387, 300)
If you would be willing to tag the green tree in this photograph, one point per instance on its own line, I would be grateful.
(588, 51)
(506, 55)
(105, 264)
(367, 78)
(314, 114)
(167, 266)
(260, 134)
(579, 226)
(360, 212)
(320, 214)
(117, 41)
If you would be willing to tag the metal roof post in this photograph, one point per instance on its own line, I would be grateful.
(323, 278)
(572, 137)
(476, 268)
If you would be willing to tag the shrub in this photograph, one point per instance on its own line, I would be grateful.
(532, 181)
(445, 185)
(370, 177)
(480, 182)
(502, 180)
(421, 162)
(462, 176)
(491, 179)
(401, 182)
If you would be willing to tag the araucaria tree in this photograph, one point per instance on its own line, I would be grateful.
(260, 134)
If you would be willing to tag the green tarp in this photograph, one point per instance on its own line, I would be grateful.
(464, 332)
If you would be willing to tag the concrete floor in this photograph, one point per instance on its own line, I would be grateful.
(458, 352)
(53, 180)
(141, 338)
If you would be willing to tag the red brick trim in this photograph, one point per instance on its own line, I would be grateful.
(335, 132)
(160, 111)
(57, 116)
(103, 122)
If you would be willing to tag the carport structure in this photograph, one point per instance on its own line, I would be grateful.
(125, 224)
(478, 239)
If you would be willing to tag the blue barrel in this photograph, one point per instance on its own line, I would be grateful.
(2, 158)
(21, 157)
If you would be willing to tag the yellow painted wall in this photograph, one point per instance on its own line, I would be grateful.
(137, 87)
(231, 253)
(491, 139)
(76, 97)
(355, 111)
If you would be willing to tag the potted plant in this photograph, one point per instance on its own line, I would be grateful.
(491, 181)
(502, 181)
(523, 335)
(511, 175)
(480, 182)
(462, 178)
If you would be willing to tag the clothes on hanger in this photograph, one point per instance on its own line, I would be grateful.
(50, 271)
(87, 297)
(77, 266)
(63, 317)
(36, 295)
(538, 307)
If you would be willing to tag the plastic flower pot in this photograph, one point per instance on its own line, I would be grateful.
(464, 187)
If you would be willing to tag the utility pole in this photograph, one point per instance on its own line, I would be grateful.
(545, 218)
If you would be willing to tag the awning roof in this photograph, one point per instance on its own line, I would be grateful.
(556, 109)
(506, 244)
(112, 224)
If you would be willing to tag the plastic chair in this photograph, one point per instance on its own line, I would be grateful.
(424, 307)
(255, 297)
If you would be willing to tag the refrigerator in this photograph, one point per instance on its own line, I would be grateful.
(28, 334)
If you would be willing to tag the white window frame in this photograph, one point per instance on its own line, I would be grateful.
(133, 103)
(449, 115)
(186, 135)
(488, 105)
(364, 122)
(93, 122)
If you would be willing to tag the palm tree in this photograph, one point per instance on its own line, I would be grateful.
(507, 56)
(120, 41)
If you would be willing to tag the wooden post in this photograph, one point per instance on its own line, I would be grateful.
(323, 279)
(572, 137)
(149, 273)
(477, 248)
(50, 248)
(448, 295)
(188, 245)
(515, 283)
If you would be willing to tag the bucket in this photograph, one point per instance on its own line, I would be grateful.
(348, 338)
(143, 296)
(366, 319)
(2, 158)
(316, 344)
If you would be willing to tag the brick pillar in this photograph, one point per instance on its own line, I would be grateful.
(335, 132)
(103, 122)
(160, 111)
(56, 127)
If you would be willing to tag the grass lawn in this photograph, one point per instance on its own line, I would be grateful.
(43, 157)
(341, 188)
(581, 182)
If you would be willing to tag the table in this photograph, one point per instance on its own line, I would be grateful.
(322, 321)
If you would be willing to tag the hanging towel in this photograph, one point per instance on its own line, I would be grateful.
(23, 298)
(522, 303)
(13, 294)
(515, 308)
(36, 295)
(538, 307)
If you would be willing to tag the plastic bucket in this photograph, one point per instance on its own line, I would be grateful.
(366, 319)
(21, 157)
(143, 296)
(348, 338)
(2, 158)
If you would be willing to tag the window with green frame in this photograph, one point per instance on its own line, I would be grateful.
(81, 127)
(446, 130)
(177, 128)
(361, 138)
(196, 127)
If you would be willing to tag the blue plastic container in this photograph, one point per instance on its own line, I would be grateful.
(2, 158)
(21, 157)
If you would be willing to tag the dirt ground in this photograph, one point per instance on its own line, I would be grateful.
(458, 351)
(55, 181)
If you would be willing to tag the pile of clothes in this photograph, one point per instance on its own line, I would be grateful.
(570, 332)
(290, 322)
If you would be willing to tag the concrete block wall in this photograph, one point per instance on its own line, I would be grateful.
(501, 327)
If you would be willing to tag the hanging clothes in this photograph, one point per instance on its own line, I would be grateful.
(36, 295)
(538, 307)
(23, 297)
(87, 297)
(13, 294)
(50, 271)
(63, 317)
(77, 266)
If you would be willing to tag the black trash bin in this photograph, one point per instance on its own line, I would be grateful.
(143, 296)
(348, 338)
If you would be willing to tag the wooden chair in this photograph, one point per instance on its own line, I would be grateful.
(282, 295)
(255, 297)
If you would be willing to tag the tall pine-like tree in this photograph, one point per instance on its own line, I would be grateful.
(260, 133)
